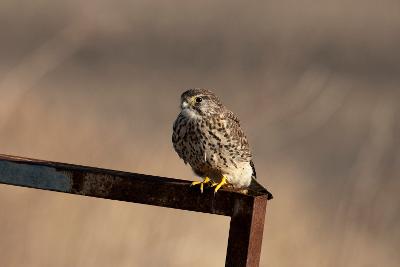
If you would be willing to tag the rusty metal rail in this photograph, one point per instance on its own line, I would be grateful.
(247, 211)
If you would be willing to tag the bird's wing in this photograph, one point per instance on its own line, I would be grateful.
(230, 115)
(254, 175)
(237, 136)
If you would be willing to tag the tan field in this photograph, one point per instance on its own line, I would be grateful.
(316, 85)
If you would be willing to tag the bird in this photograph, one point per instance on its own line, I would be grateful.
(208, 137)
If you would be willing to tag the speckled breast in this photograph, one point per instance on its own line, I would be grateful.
(202, 144)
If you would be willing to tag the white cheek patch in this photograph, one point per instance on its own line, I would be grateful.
(190, 114)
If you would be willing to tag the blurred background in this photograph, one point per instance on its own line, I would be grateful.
(315, 84)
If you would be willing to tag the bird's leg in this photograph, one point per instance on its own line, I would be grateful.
(205, 181)
(218, 186)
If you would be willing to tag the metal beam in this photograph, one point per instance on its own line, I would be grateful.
(247, 210)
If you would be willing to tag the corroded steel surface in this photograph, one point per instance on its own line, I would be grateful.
(247, 210)
(246, 232)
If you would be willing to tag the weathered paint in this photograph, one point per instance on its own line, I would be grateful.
(246, 209)
(42, 177)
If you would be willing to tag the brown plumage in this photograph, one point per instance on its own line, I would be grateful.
(208, 136)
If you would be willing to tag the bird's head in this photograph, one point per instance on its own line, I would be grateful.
(200, 102)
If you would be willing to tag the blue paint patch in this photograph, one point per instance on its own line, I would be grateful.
(35, 176)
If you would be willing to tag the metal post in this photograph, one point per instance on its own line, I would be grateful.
(246, 233)
(247, 210)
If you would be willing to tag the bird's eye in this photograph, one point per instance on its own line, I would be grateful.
(199, 99)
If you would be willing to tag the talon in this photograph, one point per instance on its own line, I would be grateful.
(205, 181)
(223, 181)
(195, 183)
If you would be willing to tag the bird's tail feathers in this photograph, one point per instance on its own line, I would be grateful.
(256, 186)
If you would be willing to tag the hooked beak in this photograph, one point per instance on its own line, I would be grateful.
(185, 104)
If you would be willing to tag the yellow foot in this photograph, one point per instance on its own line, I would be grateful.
(218, 186)
(205, 181)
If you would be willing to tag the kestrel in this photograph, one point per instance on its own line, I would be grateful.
(208, 136)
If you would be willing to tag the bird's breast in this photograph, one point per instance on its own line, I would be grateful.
(205, 143)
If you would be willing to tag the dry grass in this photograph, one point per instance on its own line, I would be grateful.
(316, 86)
